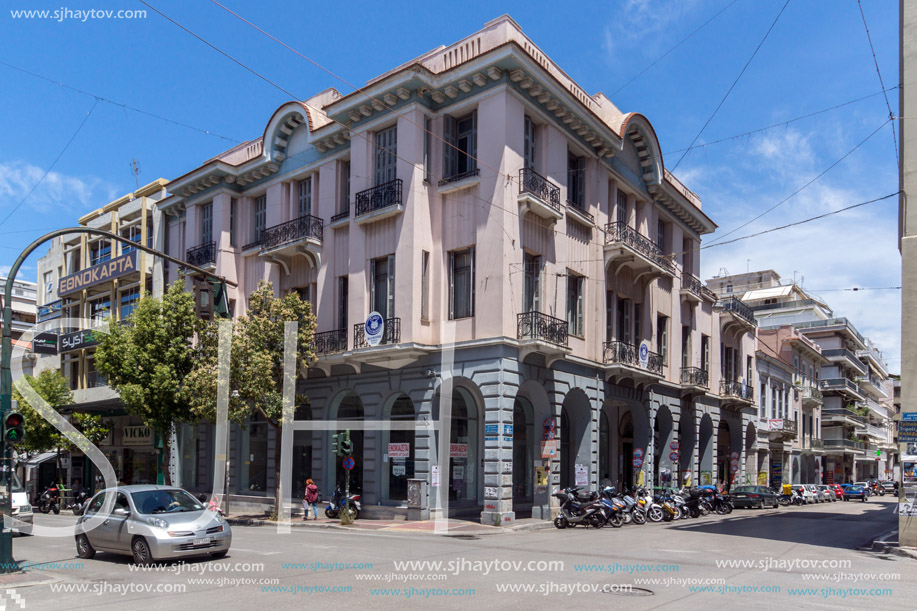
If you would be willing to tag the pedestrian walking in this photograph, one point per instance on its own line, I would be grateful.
(311, 498)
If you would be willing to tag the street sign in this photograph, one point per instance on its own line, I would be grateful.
(673, 456)
(673, 445)
(348, 463)
(374, 328)
(644, 354)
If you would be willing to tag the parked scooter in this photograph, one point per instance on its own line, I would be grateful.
(78, 504)
(336, 504)
(630, 510)
(577, 509)
(49, 500)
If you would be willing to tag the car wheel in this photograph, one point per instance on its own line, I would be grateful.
(141, 552)
(776, 504)
(84, 548)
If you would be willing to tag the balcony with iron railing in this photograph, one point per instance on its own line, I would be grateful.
(740, 312)
(811, 396)
(379, 202)
(845, 357)
(338, 219)
(330, 342)
(817, 444)
(538, 195)
(782, 429)
(695, 377)
(844, 387)
(692, 289)
(623, 360)
(842, 415)
(625, 247)
(391, 333)
(854, 447)
(879, 432)
(543, 328)
(736, 390)
(204, 255)
(842, 324)
(292, 237)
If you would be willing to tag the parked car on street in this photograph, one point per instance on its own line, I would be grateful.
(808, 495)
(152, 523)
(855, 491)
(830, 495)
(891, 486)
(820, 496)
(754, 496)
(838, 490)
(865, 486)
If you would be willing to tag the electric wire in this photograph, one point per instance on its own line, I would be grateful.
(731, 87)
(53, 163)
(875, 60)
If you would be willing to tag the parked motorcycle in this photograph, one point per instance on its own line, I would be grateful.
(580, 509)
(628, 507)
(49, 500)
(78, 503)
(336, 504)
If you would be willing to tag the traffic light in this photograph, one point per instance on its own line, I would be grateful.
(13, 428)
(334, 445)
(347, 445)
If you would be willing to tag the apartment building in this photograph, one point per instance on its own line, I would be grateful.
(854, 420)
(531, 257)
(24, 314)
(87, 281)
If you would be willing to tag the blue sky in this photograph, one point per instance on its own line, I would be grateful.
(816, 57)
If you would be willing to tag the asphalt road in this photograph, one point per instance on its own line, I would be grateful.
(804, 557)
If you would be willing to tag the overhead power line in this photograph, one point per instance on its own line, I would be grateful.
(875, 60)
(118, 104)
(780, 124)
(678, 44)
(734, 83)
(53, 163)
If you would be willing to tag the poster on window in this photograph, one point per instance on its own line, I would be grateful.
(398, 470)
(458, 450)
(399, 450)
(582, 475)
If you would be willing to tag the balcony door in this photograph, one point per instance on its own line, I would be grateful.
(386, 155)
(531, 298)
(383, 286)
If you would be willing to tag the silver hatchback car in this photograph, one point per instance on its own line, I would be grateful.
(151, 523)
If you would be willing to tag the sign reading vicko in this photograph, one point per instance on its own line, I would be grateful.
(137, 436)
(374, 328)
(103, 272)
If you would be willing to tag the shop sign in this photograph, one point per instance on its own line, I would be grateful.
(45, 343)
(103, 272)
(907, 428)
(458, 450)
(50, 311)
(68, 342)
(137, 436)
(399, 450)
(507, 431)
(490, 432)
(374, 328)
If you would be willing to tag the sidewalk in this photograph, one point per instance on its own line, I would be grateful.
(454, 527)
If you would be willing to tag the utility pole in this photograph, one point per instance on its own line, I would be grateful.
(6, 355)
(907, 244)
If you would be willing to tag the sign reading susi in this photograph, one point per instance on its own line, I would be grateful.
(108, 270)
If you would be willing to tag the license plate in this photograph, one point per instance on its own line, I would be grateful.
(200, 541)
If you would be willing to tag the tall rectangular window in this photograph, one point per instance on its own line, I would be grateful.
(305, 197)
(705, 352)
(207, 223)
(609, 315)
(624, 320)
(260, 217)
(343, 297)
(660, 235)
(344, 204)
(99, 252)
(638, 322)
(424, 285)
(685, 346)
(461, 283)
(383, 286)
(622, 206)
(233, 204)
(576, 180)
(129, 299)
(748, 369)
(531, 296)
(131, 233)
(662, 337)
(427, 148)
(386, 155)
(460, 144)
(528, 152)
(575, 286)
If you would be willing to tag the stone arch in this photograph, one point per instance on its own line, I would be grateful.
(575, 436)
(664, 468)
(346, 405)
(461, 476)
(629, 430)
(281, 126)
(639, 130)
(396, 470)
(705, 450)
(687, 442)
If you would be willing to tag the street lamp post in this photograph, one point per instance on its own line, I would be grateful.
(6, 349)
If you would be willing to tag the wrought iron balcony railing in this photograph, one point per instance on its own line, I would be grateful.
(843, 443)
(330, 342)
(535, 325)
(840, 384)
(812, 393)
(817, 444)
(532, 182)
(735, 305)
(738, 390)
(692, 284)
(621, 232)
(842, 412)
(695, 376)
(202, 255)
(628, 354)
(304, 227)
(785, 426)
(340, 216)
(461, 176)
(377, 198)
(391, 334)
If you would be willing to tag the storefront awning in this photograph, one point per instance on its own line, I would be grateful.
(38, 459)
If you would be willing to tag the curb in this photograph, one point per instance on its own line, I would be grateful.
(298, 524)
(882, 545)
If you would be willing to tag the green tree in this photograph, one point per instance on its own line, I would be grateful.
(41, 436)
(256, 363)
(147, 360)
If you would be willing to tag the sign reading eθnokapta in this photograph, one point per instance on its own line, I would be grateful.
(137, 436)
(108, 270)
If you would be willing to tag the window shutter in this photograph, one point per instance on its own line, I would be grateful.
(471, 288)
(579, 305)
(449, 151)
(451, 285)
(473, 145)
(372, 285)
(391, 287)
